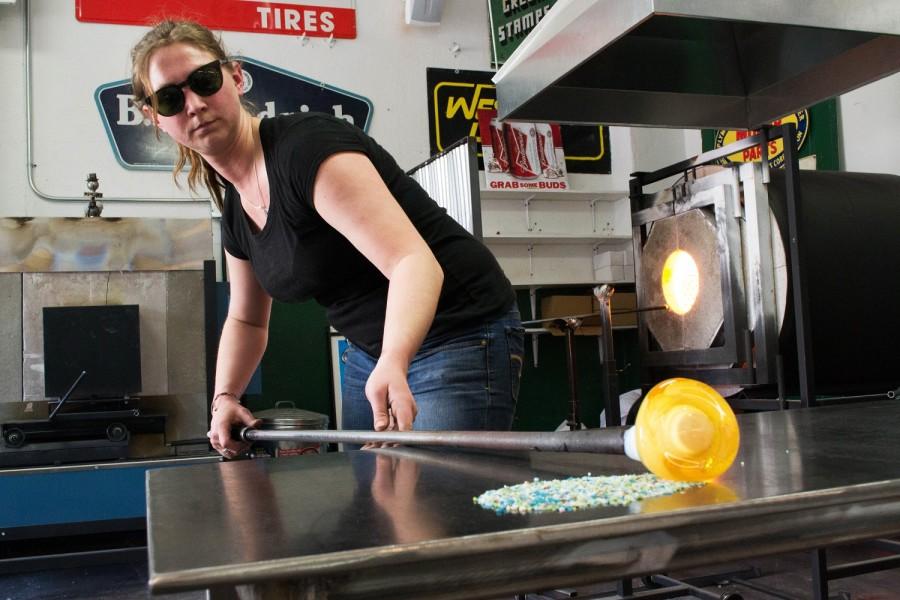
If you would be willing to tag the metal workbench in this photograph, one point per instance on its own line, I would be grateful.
(401, 522)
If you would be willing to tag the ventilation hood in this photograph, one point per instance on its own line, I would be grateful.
(727, 64)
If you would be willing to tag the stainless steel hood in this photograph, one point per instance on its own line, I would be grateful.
(696, 63)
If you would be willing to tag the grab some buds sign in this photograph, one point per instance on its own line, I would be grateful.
(521, 156)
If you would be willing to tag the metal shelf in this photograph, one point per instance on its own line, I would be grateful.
(576, 195)
(555, 238)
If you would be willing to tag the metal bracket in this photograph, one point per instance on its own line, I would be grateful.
(527, 203)
(532, 297)
(593, 204)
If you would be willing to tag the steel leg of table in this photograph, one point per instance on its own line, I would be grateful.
(819, 573)
(282, 590)
(222, 593)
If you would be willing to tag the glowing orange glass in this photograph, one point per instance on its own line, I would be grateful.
(680, 282)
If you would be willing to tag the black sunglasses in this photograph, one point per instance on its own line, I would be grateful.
(205, 80)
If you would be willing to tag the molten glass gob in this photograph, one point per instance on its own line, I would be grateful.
(684, 431)
(680, 282)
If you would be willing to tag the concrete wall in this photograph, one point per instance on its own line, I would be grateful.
(386, 63)
(11, 334)
(870, 127)
(171, 326)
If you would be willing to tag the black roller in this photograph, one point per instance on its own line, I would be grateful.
(849, 232)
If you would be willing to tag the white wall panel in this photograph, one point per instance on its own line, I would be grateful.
(386, 64)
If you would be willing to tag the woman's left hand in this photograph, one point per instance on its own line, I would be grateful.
(393, 405)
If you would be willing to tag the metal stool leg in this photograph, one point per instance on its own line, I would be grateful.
(819, 574)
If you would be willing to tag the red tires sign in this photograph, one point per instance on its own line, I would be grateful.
(286, 18)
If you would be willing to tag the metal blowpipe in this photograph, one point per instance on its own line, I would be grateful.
(684, 431)
(603, 441)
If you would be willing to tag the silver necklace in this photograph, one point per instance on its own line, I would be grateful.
(265, 209)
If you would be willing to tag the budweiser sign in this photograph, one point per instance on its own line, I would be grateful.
(526, 156)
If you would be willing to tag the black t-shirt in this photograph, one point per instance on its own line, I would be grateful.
(297, 255)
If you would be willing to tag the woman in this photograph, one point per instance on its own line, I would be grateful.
(313, 207)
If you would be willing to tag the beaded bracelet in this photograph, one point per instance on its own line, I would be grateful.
(216, 397)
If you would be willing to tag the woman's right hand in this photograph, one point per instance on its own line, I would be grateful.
(228, 412)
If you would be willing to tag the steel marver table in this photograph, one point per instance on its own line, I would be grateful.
(401, 522)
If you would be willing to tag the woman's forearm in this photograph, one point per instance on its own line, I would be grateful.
(415, 286)
(241, 347)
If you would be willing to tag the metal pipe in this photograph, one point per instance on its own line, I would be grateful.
(610, 440)
(603, 294)
(688, 432)
(705, 158)
(626, 311)
(797, 264)
(573, 420)
(66, 395)
(29, 126)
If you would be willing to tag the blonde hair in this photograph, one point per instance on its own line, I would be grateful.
(164, 34)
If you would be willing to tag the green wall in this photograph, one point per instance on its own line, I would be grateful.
(544, 397)
(296, 366)
(822, 140)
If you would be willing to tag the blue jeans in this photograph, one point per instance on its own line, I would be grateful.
(466, 382)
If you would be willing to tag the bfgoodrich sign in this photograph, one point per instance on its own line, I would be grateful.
(271, 90)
